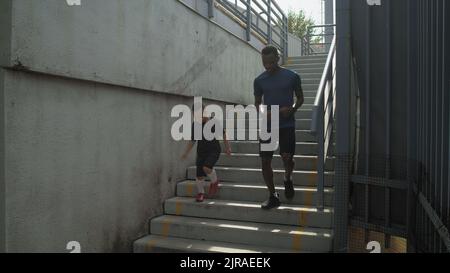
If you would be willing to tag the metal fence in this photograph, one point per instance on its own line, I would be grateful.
(318, 39)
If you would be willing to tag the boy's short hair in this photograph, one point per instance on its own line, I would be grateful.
(268, 50)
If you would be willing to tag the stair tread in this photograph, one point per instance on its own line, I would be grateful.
(202, 246)
(257, 227)
(278, 156)
(259, 186)
(259, 170)
(248, 204)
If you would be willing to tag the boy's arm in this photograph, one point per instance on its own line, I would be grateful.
(227, 143)
(189, 147)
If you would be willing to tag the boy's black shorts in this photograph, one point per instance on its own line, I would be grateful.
(206, 160)
(287, 143)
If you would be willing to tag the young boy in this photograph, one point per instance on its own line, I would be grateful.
(208, 153)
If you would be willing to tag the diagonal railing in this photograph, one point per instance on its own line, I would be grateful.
(323, 119)
(261, 17)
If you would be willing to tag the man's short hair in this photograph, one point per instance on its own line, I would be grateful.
(268, 50)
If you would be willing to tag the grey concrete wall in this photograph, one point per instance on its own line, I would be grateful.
(88, 151)
(294, 46)
(85, 161)
(227, 22)
(147, 44)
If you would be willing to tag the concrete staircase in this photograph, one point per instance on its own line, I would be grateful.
(233, 222)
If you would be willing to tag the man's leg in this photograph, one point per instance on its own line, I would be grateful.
(287, 152)
(289, 164)
(273, 201)
(267, 171)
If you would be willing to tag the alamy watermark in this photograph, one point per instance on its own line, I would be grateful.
(258, 127)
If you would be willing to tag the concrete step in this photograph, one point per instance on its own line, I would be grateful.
(315, 81)
(297, 215)
(305, 65)
(303, 114)
(254, 175)
(308, 61)
(310, 87)
(251, 192)
(164, 244)
(307, 107)
(301, 135)
(304, 70)
(310, 93)
(309, 57)
(308, 76)
(302, 163)
(253, 147)
(266, 235)
(309, 100)
(303, 124)
(252, 124)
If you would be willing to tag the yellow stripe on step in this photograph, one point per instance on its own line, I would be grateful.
(190, 189)
(312, 179)
(297, 240)
(309, 197)
(178, 208)
(166, 228)
(302, 218)
(150, 245)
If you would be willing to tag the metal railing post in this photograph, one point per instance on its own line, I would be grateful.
(269, 21)
(286, 37)
(211, 8)
(321, 155)
(249, 21)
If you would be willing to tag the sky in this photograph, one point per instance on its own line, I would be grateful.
(312, 8)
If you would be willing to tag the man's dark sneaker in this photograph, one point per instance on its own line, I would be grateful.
(273, 202)
(289, 191)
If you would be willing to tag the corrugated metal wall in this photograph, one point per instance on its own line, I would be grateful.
(378, 43)
(401, 49)
(430, 104)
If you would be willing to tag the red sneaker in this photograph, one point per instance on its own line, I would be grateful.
(213, 188)
(200, 197)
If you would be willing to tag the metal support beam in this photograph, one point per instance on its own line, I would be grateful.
(343, 62)
(249, 21)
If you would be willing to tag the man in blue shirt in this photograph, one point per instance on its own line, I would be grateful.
(277, 86)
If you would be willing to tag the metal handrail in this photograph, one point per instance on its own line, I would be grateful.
(275, 23)
(308, 46)
(323, 120)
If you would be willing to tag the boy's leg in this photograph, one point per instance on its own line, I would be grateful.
(208, 168)
(200, 181)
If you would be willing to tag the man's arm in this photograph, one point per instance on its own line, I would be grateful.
(300, 99)
(289, 111)
(258, 102)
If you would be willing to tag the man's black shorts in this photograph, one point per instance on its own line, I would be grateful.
(287, 143)
(208, 160)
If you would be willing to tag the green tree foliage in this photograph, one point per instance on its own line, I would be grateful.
(298, 23)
